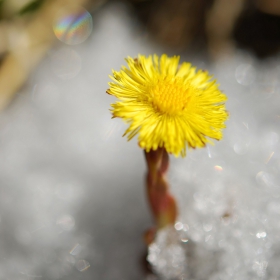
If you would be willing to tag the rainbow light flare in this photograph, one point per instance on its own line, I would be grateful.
(74, 28)
(218, 168)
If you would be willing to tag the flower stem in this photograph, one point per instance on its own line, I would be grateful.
(162, 203)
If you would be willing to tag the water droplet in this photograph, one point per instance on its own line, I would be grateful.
(266, 179)
(240, 148)
(209, 152)
(269, 158)
(66, 63)
(184, 240)
(179, 226)
(261, 234)
(186, 227)
(76, 250)
(245, 74)
(207, 238)
(82, 265)
(207, 227)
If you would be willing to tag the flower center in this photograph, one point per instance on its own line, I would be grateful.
(170, 96)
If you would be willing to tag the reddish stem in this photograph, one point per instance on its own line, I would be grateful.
(162, 203)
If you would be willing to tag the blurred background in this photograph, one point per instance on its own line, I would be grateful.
(72, 197)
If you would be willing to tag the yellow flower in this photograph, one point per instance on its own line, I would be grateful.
(167, 104)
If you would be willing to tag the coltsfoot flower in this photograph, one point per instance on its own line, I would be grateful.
(168, 105)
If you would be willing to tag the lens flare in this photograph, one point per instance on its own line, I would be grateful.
(218, 168)
(73, 28)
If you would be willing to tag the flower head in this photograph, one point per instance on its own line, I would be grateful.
(167, 104)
